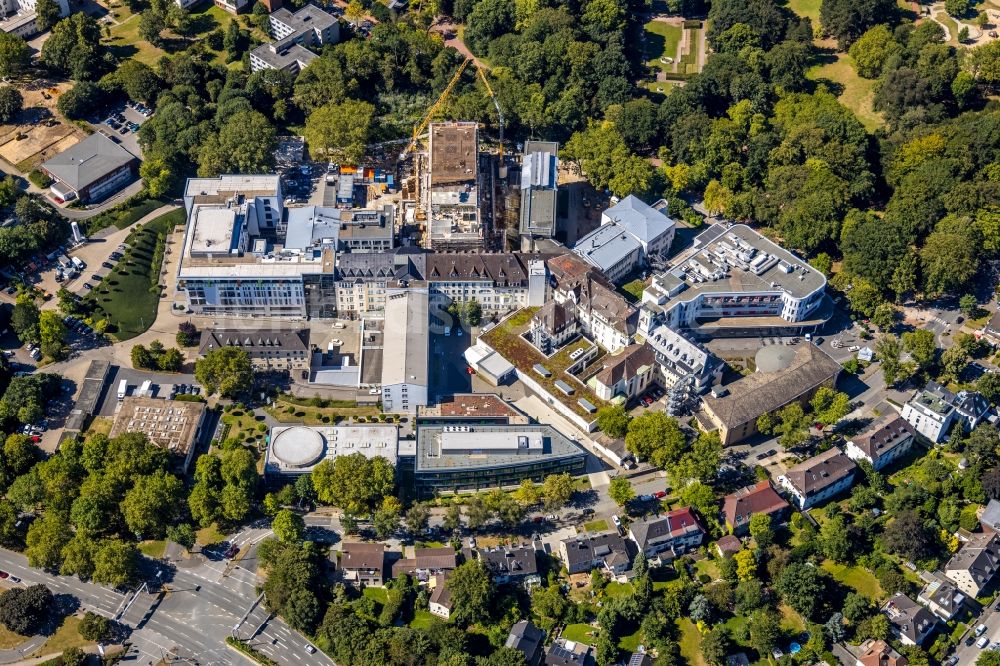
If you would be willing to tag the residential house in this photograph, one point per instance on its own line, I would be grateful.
(293, 35)
(819, 478)
(992, 330)
(440, 603)
(875, 652)
(990, 518)
(569, 653)
(518, 565)
(426, 563)
(668, 536)
(930, 413)
(527, 639)
(606, 551)
(604, 315)
(908, 620)
(942, 598)
(740, 506)
(629, 374)
(640, 659)
(362, 563)
(728, 545)
(884, 440)
(973, 567)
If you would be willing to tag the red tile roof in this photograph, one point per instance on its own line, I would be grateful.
(760, 498)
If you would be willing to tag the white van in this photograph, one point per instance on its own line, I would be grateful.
(122, 389)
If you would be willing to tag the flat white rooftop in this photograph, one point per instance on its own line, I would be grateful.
(232, 183)
(503, 442)
(213, 229)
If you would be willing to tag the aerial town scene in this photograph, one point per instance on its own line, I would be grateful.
(500, 332)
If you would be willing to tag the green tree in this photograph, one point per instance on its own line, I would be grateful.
(802, 587)
(884, 316)
(45, 541)
(921, 346)
(872, 50)
(761, 530)
(835, 540)
(386, 519)
(765, 630)
(957, 8)
(471, 589)
(15, 55)
(226, 370)
(116, 562)
(151, 24)
(244, 144)
(288, 526)
(141, 357)
(25, 318)
(656, 437)
(829, 406)
(527, 493)
(452, 518)
(620, 490)
(152, 504)
(355, 483)
(417, 518)
(182, 534)
(94, 627)
(715, 646)
(24, 609)
(11, 103)
(949, 261)
(557, 490)
(847, 20)
(887, 351)
(340, 131)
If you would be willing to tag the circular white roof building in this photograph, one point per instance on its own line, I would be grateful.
(298, 447)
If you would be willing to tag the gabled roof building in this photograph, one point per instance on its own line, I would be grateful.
(91, 170)
(606, 551)
(886, 439)
(527, 639)
(909, 621)
(740, 506)
(819, 478)
(942, 598)
(268, 348)
(879, 653)
(975, 565)
(362, 563)
(669, 536)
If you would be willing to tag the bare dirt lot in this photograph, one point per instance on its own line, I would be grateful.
(39, 134)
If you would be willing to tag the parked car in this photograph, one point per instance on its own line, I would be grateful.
(107, 264)
(4, 575)
(645, 498)
(231, 552)
(660, 494)
(616, 520)
(980, 630)
(87, 285)
(982, 642)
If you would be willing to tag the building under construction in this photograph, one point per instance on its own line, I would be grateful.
(452, 188)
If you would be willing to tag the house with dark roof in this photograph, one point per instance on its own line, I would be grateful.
(942, 598)
(604, 315)
(440, 603)
(91, 170)
(819, 478)
(975, 565)
(605, 551)
(563, 652)
(499, 282)
(908, 620)
(740, 506)
(992, 329)
(875, 652)
(783, 376)
(527, 639)
(518, 565)
(426, 562)
(728, 545)
(362, 563)
(990, 517)
(268, 348)
(884, 440)
(628, 374)
(362, 278)
(668, 536)
(552, 326)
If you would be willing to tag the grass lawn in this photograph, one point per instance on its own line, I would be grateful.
(153, 549)
(423, 620)
(581, 633)
(379, 594)
(808, 8)
(8, 639)
(125, 297)
(856, 578)
(631, 642)
(633, 290)
(708, 567)
(316, 415)
(614, 589)
(662, 40)
(124, 215)
(690, 643)
(596, 526)
(856, 93)
(206, 536)
(66, 636)
(791, 621)
(242, 426)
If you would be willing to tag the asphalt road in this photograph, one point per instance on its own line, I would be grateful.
(190, 621)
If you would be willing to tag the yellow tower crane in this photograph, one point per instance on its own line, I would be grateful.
(422, 126)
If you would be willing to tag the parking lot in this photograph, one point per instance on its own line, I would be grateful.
(121, 122)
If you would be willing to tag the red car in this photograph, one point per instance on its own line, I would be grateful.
(660, 494)
(470, 370)
(647, 400)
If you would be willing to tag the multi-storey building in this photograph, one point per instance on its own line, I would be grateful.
(20, 17)
(884, 440)
(450, 188)
(818, 478)
(975, 566)
(364, 277)
(930, 413)
(293, 35)
(631, 233)
(664, 538)
(500, 283)
(735, 282)
(405, 351)
(539, 169)
(602, 313)
(234, 260)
